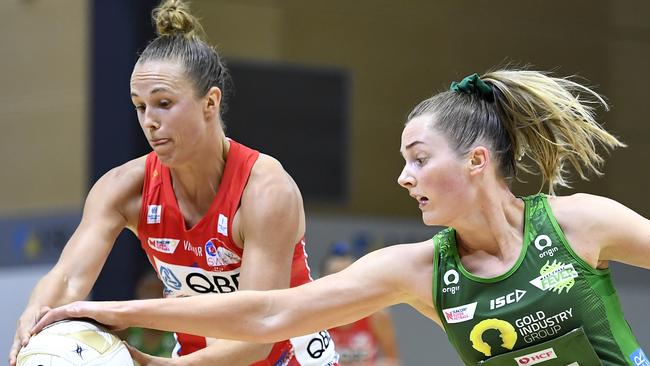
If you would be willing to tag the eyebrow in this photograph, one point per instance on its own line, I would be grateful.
(413, 144)
(154, 91)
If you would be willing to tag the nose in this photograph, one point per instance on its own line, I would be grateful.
(150, 120)
(405, 179)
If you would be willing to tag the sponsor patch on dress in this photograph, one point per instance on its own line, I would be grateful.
(163, 245)
(460, 314)
(639, 358)
(154, 213)
(537, 357)
(217, 256)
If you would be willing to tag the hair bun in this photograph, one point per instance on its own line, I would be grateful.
(173, 17)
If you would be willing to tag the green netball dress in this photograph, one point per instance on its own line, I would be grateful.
(551, 308)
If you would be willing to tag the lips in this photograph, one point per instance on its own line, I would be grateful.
(422, 200)
(158, 142)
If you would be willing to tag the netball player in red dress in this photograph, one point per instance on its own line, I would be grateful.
(212, 215)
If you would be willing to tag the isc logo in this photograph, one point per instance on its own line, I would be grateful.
(508, 299)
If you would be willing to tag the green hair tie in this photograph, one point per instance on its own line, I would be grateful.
(474, 85)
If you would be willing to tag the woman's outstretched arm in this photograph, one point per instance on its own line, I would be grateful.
(378, 280)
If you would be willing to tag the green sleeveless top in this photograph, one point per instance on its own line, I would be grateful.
(549, 292)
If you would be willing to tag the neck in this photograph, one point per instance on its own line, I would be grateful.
(496, 227)
(197, 180)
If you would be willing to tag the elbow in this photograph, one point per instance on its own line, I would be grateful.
(269, 329)
(273, 324)
(75, 290)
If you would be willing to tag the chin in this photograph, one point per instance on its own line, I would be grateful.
(429, 219)
(166, 159)
(434, 218)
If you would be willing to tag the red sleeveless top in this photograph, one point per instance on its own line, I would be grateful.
(205, 259)
(356, 343)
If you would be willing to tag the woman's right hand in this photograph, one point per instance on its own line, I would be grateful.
(23, 331)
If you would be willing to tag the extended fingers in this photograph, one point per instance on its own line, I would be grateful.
(50, 316)
(13, 353)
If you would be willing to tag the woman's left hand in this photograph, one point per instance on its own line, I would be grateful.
(102, 312)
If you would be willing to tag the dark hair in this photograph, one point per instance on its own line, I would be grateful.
(179, 40)
(550, 120)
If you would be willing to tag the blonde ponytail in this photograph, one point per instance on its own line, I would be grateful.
(552, 121)
(522, 113)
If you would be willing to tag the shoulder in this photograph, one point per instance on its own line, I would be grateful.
(120, 189)
(269, 181)
(415, 263)
(129, 173)
(411, 279)
(419, 254)
(593, 223)
(267, 167)
(124, 178)
(582, 211)
(271, 199)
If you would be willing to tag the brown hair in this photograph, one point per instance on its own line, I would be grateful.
(180, 40)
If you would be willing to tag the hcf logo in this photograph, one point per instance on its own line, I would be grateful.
(537, 357)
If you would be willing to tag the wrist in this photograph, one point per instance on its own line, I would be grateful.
(127, 313)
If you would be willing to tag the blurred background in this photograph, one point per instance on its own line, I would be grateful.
(325, 87)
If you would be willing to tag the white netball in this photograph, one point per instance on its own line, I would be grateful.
(74, 343)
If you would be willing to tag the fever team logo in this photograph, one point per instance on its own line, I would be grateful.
(556, 277)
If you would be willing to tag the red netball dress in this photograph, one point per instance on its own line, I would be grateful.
(204, 259)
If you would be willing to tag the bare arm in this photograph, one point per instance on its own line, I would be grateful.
(601, 229)
(71, 279)
(268, 224)
(371, 283)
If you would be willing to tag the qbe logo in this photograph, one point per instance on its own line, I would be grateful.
(537, 357)
(319, 344)
(188, 281)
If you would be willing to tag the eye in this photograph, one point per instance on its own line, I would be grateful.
(420, 161)
(164, 103)
(139, 107)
